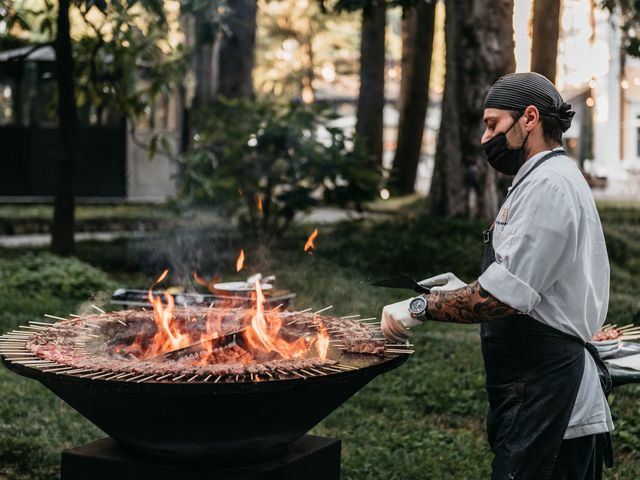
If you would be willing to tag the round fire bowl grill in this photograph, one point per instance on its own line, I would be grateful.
(204, 418)
(214, 420)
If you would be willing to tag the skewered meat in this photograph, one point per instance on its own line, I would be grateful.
(110, 342)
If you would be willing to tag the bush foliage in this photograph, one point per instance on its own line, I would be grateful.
(265, 161)
(47, 275)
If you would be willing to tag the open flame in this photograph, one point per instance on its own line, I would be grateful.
(240, 261)
(263, 334)
(309, 246)
(259, 332)
(259, 203)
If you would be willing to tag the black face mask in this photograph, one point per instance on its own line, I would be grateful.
(504, 159)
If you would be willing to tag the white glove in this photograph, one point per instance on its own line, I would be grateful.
(443, 282)
(396, 321)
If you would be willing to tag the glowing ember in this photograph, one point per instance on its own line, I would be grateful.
(259, 203)
(240, 261)
(309, 246)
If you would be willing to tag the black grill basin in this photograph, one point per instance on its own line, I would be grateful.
(223, 421)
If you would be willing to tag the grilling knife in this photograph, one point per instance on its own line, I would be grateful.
(403, 281)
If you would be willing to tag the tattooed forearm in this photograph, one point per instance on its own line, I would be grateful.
(468, 304)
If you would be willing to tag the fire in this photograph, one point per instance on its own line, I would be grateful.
(168, 337)
(242, 334)
(322, 342)
(309, 246)
(263, 334)
(162, 277)
(259, 203)
(240, 261)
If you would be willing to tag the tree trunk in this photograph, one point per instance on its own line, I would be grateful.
(417, 45)
(479, 43)
(62, 242)
(206, 51)
(371, 95)
(546, 29)
(237, 52)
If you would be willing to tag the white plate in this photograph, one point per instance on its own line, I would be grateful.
(605, 343)
(240, 286)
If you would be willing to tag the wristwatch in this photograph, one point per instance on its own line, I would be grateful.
(418, 307)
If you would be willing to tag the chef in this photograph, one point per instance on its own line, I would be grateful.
(542, 294)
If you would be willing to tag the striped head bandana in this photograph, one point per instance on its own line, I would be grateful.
(516, 91)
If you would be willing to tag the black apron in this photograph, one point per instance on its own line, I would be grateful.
(533, 373)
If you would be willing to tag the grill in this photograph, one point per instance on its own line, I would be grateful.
(185, 407)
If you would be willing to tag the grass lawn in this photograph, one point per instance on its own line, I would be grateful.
(424, 420)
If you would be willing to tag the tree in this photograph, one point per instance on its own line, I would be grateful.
(417, 46)
(122, 63)
(370, 106)
(546, 30)
(479, 38)
(237, 51)
(62, 241)
(369, 121)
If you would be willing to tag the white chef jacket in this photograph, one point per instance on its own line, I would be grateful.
(551, 263)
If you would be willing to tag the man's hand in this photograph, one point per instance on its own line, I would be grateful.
(396, 321)
(443, 282)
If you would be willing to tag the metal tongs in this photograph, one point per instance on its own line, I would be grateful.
(226, 340)
(403, 281)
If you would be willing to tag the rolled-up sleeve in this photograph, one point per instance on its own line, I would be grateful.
(535, 247)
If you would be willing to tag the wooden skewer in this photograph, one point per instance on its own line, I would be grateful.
(164, 376)
(217, 379)
(304, 311)
(55, 317)
(78, 371)
(334, 370)
(137, 377)
(208, 377)
(351, 316)
(630, 337)
(146, 379)
(92, 374)
(323, 309)
(178, 377)
(46, 324)
(192, 378)
(34, 327)
(348, 367)
(389, 350)
(58, 370)
(631, 325)
(98, 308)
(106, 374)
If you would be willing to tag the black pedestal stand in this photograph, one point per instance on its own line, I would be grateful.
(310, 458)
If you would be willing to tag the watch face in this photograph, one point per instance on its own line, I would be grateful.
(417, 305)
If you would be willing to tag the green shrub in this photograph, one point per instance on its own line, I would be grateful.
(46, 275)
(265, 161)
